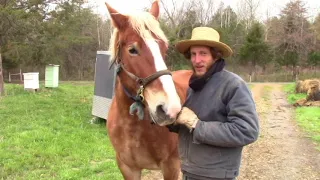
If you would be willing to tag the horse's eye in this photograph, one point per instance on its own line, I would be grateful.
(133, 51)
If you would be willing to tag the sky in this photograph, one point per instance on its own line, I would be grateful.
(273, 6)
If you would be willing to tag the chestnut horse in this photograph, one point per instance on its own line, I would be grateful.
(146, 93)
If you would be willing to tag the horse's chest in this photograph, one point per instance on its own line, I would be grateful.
(133, 140)
(134, 147)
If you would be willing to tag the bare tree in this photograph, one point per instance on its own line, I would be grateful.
(175, 13)
(295, 39)
(267, 26)
(316, 31)
(205, 9)
(247, 10)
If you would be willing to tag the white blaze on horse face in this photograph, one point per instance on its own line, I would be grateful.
(172, 105)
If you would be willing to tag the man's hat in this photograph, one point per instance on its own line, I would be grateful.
(204, 36)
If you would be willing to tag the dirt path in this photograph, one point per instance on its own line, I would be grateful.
(282, 151)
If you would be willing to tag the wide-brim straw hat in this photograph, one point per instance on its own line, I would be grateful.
(204, 36)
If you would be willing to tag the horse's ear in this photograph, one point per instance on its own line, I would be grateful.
(119, 20)
(155, 9)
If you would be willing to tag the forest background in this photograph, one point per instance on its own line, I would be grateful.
(281, 48)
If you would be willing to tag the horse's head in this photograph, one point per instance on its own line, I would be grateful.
(139, 46)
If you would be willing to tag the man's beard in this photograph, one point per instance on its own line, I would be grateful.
(200, 75)
(197, 82)
(195, 73)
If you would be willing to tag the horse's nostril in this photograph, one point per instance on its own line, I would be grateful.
(160, 109)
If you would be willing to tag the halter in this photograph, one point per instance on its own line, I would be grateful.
(138, 99)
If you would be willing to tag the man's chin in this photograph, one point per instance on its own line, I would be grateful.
(199, 74)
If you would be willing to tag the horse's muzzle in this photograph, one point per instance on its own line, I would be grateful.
(160, 117)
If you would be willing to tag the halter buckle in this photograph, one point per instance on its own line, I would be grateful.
(140, 93)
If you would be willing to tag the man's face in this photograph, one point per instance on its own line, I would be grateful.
(201, 59)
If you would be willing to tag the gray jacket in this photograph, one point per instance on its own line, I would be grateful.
(228, 121)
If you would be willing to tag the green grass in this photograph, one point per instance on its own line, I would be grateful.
(292, 96)
(48, 135)
(307, 117)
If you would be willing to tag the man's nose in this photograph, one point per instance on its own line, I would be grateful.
(197, 58)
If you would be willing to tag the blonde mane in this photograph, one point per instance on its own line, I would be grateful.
(144, 24)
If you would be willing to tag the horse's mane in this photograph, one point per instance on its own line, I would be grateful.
(144, 24)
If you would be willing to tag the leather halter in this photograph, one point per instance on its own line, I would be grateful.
(142, 82)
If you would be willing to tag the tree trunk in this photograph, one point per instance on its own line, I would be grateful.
(295, 73)
(1, 76)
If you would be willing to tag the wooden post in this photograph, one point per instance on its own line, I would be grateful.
(20, 76)
(1, 76)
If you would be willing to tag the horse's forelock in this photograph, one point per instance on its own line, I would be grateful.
(145, 24)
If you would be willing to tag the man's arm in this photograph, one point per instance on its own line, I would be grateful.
(241, 127)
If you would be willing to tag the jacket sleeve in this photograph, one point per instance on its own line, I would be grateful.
(240, 128)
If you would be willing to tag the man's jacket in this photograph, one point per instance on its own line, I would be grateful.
(228, 121)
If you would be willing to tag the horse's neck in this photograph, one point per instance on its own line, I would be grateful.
(120, 95)
(181, 81)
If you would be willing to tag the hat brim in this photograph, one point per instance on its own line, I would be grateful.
(184, 46)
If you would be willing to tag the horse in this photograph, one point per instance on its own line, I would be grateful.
(147, 96)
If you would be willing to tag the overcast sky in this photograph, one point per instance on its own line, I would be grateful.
(273, 6)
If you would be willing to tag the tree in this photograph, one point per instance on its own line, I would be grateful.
(33, 35)
(223, 17)
(179, 26)
(295, 44)
(316, 31)
(314, 58)
(255, 51)
(73, 32)
(1, 76)
(7, 21)
(231, 30)
(247, 12)
(21, 31)
(314, 55)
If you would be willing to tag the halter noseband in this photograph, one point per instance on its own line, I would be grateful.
(142, 82)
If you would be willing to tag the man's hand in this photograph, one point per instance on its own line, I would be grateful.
(188, 118)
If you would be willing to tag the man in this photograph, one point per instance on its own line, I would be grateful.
(219, 115)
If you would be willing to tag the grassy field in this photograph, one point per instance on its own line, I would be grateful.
(48, 135)
(308, 117)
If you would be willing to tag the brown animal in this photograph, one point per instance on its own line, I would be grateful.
(145, 92)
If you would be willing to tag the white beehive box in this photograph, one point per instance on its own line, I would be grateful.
(31, 80)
